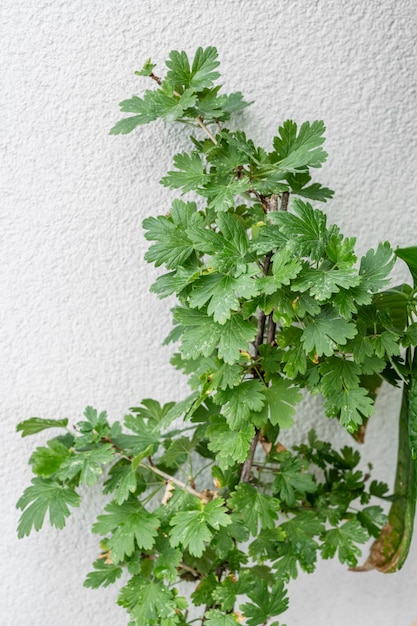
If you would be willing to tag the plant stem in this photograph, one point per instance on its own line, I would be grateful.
(200, 122)
(193, 571)
(260, 334)
(270, 204)
(284, 201)
(272, 327)
(174, 480)
(155, 78)
(247, 466)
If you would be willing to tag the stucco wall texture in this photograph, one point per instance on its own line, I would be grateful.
(77, 324)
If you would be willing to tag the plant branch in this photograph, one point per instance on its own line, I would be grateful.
(267, 263)
(260, 334)
(200, 122)
(272, 328)
(270, 204)
(155, 78)
(284, 201)
(247, 466)
(174, 480)
(192, 571)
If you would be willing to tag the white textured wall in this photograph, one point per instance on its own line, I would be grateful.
(77, 324)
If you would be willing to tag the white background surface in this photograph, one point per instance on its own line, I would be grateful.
(77, 325)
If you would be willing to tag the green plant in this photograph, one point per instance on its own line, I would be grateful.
(272, 301)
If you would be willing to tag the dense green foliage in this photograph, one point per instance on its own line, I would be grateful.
(272, 300)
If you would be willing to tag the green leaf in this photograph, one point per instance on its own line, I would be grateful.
(271, 358)
(378, 489)
(222, 292)
(137, 460)
(203, 593)
(104, 574)
(123, 481)
(337, 372)
(285, 267)
(88, 464)
(45, 495)
(341, 250)
(343, 540)
(168, 560)
(149, 602)
(393, 545)
(298, 151)
(126, 126)
(234, 245)
(225, 376)
(373, 519)
(392, 306)
(173, 247)
(171, 106)
(254, 508)
(230, 446)
(211, 106)
(146, 441)
(315, 191)
(200, 75)
(214, 617)
(37, 424)
(140, 424)
(282, 398)
(235, 334)
(177, 452)
(301, 531)
(229, 248)
(292, 481)
(267, 237)
(324, 333)
(306, 232)
(93, 429)
(409, 256)
(94, 418)
(353, 405)
(131, 526)
(147, 69)
(376, 266)
(174, 282)
(145, 113)
(294, 356)
(150, 409)
(322, 284)
(412, 415)
(237, 149)
(264, 603)
(225, 594)
(193, 529)
(235, 102)
(200, 333)
(238, 403)
(410, 336)
(387, 343)
(184, 409)
(189, 175)
(221, 191)
(46, 461)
